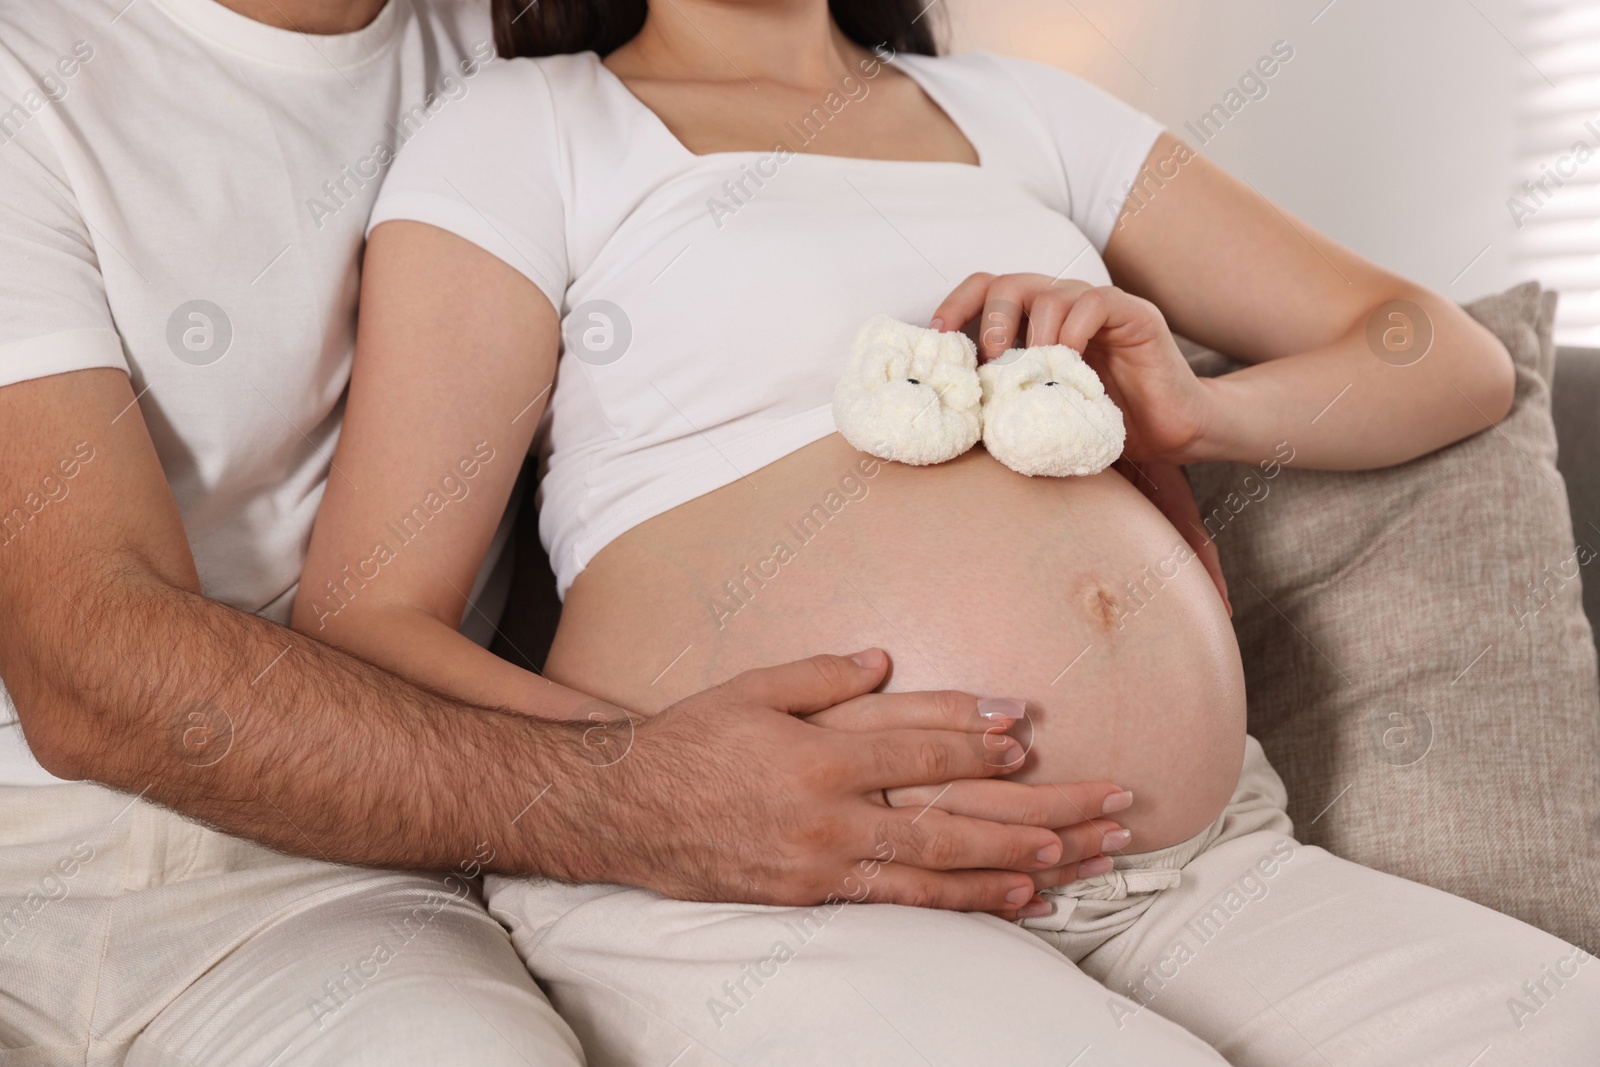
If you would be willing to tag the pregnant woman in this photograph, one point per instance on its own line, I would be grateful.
(659, 237)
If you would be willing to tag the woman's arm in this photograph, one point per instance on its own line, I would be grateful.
(1206, 256)
(455, 355)
(1231, 271)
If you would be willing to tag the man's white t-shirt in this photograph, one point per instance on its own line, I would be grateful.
(183, 193)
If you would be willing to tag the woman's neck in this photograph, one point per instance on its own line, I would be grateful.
(793, 42)
(309, 16)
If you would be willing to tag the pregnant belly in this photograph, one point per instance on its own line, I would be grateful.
(1072, 594)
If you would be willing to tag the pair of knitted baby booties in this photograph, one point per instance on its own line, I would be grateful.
(918, 396)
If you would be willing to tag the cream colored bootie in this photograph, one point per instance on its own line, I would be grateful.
(909, 394)
(1046, 412)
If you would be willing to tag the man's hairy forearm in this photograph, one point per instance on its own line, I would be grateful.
(272, 735)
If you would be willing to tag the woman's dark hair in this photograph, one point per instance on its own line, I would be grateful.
(558, 27)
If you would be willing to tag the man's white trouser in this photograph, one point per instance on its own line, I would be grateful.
(129, 934)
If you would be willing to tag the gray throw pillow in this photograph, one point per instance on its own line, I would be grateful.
(1418, 665)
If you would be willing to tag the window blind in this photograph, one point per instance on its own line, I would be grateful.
(1555, 196)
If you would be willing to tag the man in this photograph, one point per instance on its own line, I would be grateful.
(185, 187)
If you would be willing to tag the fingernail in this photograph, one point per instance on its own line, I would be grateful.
(1117, 802)
(936, 324)
(1020, 895)
(1011, 752)
(871, 659)
(1091, 867)
(1002, 708)
(1049, 854)
(1035, 910)
(1116, 839)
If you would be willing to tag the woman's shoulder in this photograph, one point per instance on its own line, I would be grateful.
(512, 110)
(1012, 104)
(516, 85)
(993, 73)
(1038, 100)
(566, 68)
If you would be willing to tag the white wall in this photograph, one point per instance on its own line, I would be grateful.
(1393, 129)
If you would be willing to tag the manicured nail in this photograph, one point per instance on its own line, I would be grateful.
(1116, 839)
(1020, 895)
(1049, 854)
(1002, 708)
(1091, 867)
(1117, 802)
(936, 324)
(1011, 752)
(871, 659)
(1035, 909)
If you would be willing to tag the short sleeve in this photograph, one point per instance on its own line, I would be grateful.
(1102, 142)
(489, 169)
(53, 312)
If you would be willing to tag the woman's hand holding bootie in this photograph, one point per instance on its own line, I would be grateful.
(1166, 410)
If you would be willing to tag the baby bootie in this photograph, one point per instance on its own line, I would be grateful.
(1046, 412)
(909, 394)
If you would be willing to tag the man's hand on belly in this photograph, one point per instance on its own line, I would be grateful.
(729, 795)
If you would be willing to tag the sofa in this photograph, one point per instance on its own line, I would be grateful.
(1575, 403)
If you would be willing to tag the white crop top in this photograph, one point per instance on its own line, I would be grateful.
(708, 302)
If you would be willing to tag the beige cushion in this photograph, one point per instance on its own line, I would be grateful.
(1418, 664)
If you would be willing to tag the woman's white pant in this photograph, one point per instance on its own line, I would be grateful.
(1264, 952)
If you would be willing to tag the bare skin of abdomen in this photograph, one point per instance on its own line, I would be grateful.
(1073, 594)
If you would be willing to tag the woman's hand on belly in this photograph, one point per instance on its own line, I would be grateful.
(1073, 810)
